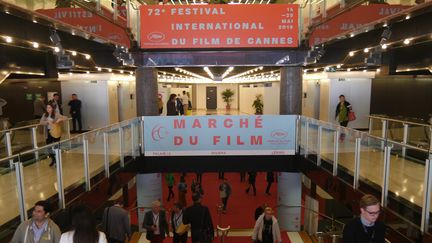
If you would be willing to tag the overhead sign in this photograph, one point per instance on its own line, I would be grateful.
(351, 20)
(90, 22)
(219, 26)
(219, 135)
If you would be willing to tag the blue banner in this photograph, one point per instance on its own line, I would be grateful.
(219, 135)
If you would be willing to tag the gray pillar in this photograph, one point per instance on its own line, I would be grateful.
(291, 90)
(146, 91)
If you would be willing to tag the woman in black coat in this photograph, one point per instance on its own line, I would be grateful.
(171, 106)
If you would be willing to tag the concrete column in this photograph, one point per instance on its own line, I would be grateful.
(149, 189)
(146, 91)
(289, 201)
(291, 90)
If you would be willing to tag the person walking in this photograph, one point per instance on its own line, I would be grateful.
(52, 120)
(156, 224)
(270, 179)
(176, 221)
(198, 216)
(169, 179)
(342, 111)
(116, 223)
(75, 112)
(251, 180)
(39, 107)
(179, 105)
(185, 101)
(367, 227)
(40, 228)
(84, 228)
(171, 106)
(182, 190)
(221, 175)
(225, 193)
(57, 103)
(266, 228)
(199, 177)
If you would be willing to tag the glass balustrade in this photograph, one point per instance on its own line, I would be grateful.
(9, 199)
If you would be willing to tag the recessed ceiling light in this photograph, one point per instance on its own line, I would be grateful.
(384, 46)
(87, 56)
(34, 21)
(56, 49)
(74, 53)
(366, 50)
(35, 45)
(99, 69)
(407, 17)
(406, 41)
(351, 53)
(8, 39)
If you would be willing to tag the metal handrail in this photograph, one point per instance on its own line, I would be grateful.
(334, 127)
(25, 127)
(112, 126)
(312, 210)
(400, 121)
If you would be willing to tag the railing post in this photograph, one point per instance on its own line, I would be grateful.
(383, 132)
(370, 125)
(426, 197)
(9, 148)
(386, 175)
(106, 155)
(62, 203)
(297, 136)
(306, 150)
(324, 12)
(20, 190)
(142, 134)
(357, 163)
(405, 138)
(121, 146)
(98, 5)
(133, 140)
(35, 142)
(86, 164)
(68, 128)
(128, 14)
(336, 152)
(115, 13)
(319, 145)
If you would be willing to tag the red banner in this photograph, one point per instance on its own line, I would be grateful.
(219, 26)
(90, 22)
(352, 20)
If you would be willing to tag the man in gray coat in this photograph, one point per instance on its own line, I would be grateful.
(116, 223)
(38, 229)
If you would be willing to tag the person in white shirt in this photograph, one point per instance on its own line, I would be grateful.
(185, 101)
(84, 228)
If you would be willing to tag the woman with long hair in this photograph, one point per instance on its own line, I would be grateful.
(171, 106)
(52, 120)
(84, 228)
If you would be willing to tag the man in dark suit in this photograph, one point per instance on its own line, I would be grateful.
(156, 224)
(200, 219)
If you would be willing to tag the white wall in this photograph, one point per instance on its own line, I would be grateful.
(201, 95)
(93, 96)
(271, 98)
(247, 97)
(356, 86)
(99, 96)
(311, 98)
(357, 91)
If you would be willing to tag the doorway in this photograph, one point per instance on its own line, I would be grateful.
(211, 98)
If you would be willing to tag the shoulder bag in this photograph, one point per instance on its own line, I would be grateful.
(56, 130)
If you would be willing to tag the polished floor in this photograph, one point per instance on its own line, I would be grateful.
(40, 180)
(406, 174)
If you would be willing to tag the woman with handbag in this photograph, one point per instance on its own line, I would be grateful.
(52, 120)
(342, 111)
(179, 229)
